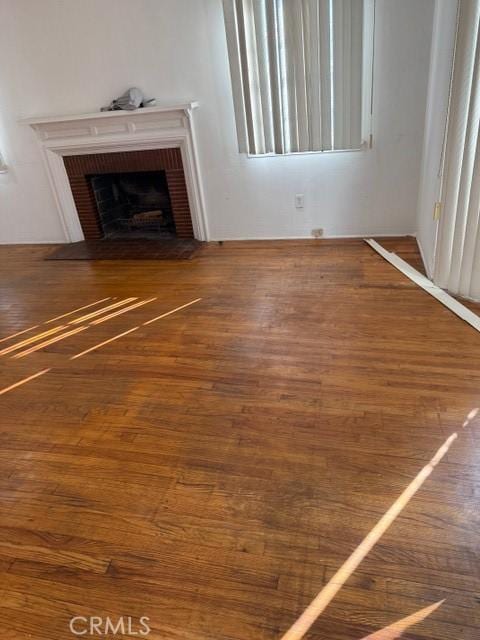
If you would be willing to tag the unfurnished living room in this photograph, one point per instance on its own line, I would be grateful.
(240, 319)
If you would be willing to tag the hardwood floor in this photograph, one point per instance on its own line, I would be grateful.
(213, 469)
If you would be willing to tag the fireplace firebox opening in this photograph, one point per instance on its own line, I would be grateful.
(133, 205)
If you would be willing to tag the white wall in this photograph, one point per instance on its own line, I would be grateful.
(66, 56)
(443, 41)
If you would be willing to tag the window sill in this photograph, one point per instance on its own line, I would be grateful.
(253, 156)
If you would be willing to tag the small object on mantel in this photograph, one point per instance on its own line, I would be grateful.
(132, 99)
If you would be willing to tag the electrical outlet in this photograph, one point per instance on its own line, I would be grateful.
(317, 233)
(299, 200)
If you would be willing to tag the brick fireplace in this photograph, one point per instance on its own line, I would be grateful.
(81, 150)
(80, 167)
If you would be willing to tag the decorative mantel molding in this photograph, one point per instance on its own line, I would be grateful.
(111, 131)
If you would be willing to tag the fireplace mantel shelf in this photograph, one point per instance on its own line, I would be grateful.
(38, 120)
(149, 128)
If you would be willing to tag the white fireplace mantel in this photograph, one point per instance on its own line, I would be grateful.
(109, 131)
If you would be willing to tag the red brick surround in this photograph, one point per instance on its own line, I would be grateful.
(169, 160)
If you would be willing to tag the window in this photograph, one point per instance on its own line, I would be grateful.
(301, 73)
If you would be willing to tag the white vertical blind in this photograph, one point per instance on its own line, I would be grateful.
(298, 73)
(347, 19)
(458, 253)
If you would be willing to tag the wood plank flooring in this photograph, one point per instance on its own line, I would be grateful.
(213, 469)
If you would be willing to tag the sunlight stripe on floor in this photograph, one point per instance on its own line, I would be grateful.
(333, 586)
(119, 313)
(101, 344)
(34, 338)
(164, 315)
(19, 333)
(24, 381)
(94, 314)
(46, 343)
(395, 630)
(70, 313)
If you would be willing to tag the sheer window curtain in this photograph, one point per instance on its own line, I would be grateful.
(457, 265)
(301, 73)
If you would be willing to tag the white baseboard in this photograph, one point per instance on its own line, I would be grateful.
(427, 285)
(310, 237)
(248, 238)
(30, 242)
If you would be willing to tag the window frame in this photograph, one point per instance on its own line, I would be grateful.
(368, 55)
